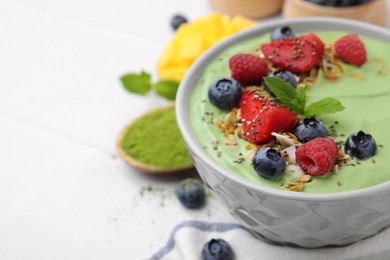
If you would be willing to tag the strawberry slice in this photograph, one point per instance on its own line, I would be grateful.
(296, 54)
(262, 116)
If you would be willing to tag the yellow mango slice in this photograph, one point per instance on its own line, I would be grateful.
(194, 38)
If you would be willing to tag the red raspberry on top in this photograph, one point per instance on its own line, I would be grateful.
(247, 68)
(317, 156)
(350, 49)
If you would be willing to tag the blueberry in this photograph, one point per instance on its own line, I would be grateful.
(362, 1)
(332, 2)
(225, 93)
(325, 2)
(339, 3)
(318, 2)
(268, 163)
(280, 33)
(178, 20)
(308, 129)
(285, 75)
(360, 145)
(191, 193)
(346, 3)
(217, 249)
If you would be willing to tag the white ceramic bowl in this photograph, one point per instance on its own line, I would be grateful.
(285, 217)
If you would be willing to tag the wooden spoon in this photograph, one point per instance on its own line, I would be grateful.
(140, 165)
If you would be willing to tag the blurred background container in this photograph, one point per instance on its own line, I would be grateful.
(374, 11)
(250, 8)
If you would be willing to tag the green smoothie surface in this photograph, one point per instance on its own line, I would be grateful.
(367, 108)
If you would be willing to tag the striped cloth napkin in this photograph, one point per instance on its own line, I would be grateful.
(187, 239)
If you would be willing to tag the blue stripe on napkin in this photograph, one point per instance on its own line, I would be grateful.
(200, 225)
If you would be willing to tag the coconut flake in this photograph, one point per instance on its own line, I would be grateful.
(294, 170)
(286, 139)
(289, 154)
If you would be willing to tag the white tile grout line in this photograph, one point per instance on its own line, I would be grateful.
(50, 18)
(23, 123)
(37, 30)
(109, 32)
(18, 205)
(56, 17)
(20, 45)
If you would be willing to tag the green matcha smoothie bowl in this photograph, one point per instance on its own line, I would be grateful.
(254, 154)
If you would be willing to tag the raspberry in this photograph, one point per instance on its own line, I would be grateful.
(317, 156)
(350, 49)
(248, 69)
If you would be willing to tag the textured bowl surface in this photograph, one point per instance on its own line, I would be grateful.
(285, 217)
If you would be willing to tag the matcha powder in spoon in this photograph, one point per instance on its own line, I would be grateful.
(155, 140)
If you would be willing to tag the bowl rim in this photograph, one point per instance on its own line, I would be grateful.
(186, 87)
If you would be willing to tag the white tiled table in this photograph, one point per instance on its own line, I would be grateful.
(63, 192)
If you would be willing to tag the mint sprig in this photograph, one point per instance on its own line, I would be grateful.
(295, 99)
(137, 83)
(141, 83)
(323, 106)
(167, 88)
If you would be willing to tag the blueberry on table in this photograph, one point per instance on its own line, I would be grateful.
(268, 163)
(225, 93)
(191, 193)
(360, 145)
(178, 20)
(280, 33)
(308, 129)
(217, 249)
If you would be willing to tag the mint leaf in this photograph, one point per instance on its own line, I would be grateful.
(137, 83)
(167, 88)
(295, 100)
(286, 94)
(295, 106)
(298, 103)
(301, 96)
(281, 89)
(324, 106)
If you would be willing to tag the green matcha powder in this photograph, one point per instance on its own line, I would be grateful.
(155, 140)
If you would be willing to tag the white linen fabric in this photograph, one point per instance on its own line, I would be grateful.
(187, 239)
